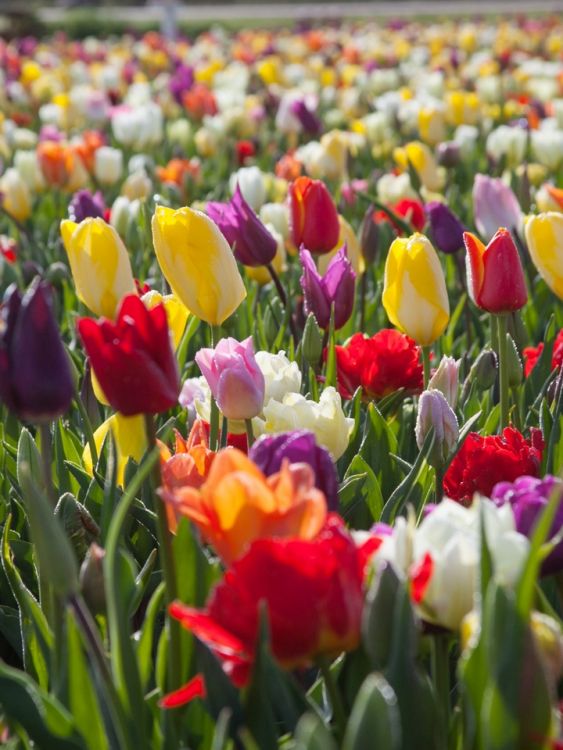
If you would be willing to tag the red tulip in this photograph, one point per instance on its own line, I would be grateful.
(133, 358)
(495, 278)
(313, 593)
(313, 216)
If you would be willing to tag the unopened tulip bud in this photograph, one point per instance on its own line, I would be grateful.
(80, 527)
(484, 369)
(434, 412)
(92, 579)
(446, 379)
(370, 236)
(449, 154)
(515, 367)
(312, 342)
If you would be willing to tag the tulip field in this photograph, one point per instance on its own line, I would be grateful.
(281, 388)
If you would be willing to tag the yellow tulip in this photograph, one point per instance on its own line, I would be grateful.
(15, 195)
(414, 294)
(197, 262)
(130, 442)
(463, 108)
(348, 237)
(431, 125)
(424, 163)
(176, 313)
(544, 237)
(99, 263)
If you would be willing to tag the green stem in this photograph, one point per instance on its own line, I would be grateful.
(168, 567)
(403, 225)
(439, 649)
(426, 364)
(214, 411)
(224, 432)
(46, 460)
(88, 430)
(439, 483)
(283, 297)
(503, 370)
(249, 432)
(338, 713)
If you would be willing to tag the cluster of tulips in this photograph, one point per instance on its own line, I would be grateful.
(281, 389)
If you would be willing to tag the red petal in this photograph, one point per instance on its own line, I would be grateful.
(421, 575)
(195, 688)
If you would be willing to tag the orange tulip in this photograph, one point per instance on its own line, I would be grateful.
(86, 149)
(238, 504)
(56, 162)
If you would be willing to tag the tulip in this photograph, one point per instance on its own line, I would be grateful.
(547, 147)
(544, 237)
(250, 181)
(191, 461)
(123, 214)
(335, 288)
(108, 165)
(414, 294)
(508, 142)
(435, 413)
(130, 441)
(85, 205)
(133, 358)
(252, 243)
(281, 375)
(99, 264)
(528, 497)
(306, 117)
(326, 419)
(56, 162)
(312, 590)
(431, 125)
(346, 237)
(313, 216)
(298, 447)
(176, 313)
(27, 166)
(14, 195)
(233, 375)
(422, 160)
(238, 504)
(446, 379)
(494, 206)
(35, 376)
(447, 229)
(197, 262)
(495, 278)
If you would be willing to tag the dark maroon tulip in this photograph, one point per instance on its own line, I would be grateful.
(308, 119)
(336, 288)
(35, 376)
(84, 205)
(252, 244)
(369, 240)
(447, 229)
(298, 446)
(528, 497)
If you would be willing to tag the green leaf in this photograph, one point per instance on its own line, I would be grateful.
(312, 734)
(375, 720)
(83, 702)
(145, 641)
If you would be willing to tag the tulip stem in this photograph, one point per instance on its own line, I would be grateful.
(283, 298)
(503, 370)
(439, 481)
(338, 713)
(249, 432)
(439, 649)
(168, 569)
(426, 364)
(214, 426)
(224, 433)
(47, 459)
(397, 220)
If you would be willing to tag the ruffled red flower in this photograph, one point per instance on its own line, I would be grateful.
(532, 354)
(482, 462)
(314, 597)
(387, 361)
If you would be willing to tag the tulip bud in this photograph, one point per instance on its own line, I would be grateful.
(447, 229)
(449, 154)
(370, 236)
(83, 205)
(80, 527)
(92, 579)
(544, 237)
(312, 341)
(484, 369)
(273, 315)
(313, 216)
(435, 412)
(336, 287)
(446, 379)
(108, 165)
(14, 195)
(515, 367)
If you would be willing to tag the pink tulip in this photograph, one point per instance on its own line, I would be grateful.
(494, 206)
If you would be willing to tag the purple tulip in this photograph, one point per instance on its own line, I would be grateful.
(84, 204)
(447, 229)
(181, 81)
(528, 497)
(494, 206)
(298, 446)
(252, 244)
(35, 377)
(234, 378)
(336, 288)
(308, 119)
